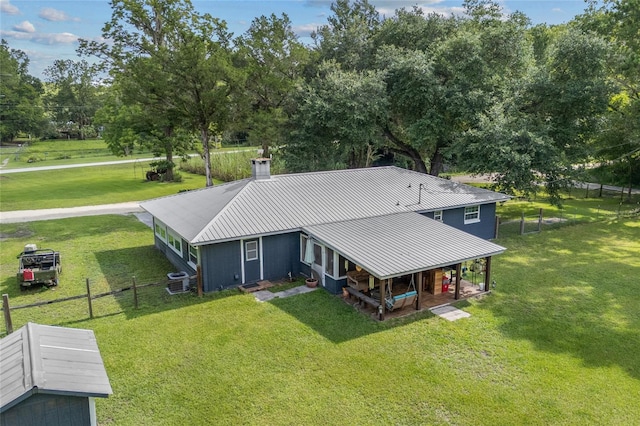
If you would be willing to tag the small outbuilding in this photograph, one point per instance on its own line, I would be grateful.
(50, 376)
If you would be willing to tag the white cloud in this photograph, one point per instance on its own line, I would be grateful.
(41, 38)
(24, 27)
(51, 14)
(557, 10)
(8, 8)
(305, 30)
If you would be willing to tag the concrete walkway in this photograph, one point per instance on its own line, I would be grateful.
(266, 295)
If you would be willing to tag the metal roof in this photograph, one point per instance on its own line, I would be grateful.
(392, 246)
(289, 202)
(45, 359)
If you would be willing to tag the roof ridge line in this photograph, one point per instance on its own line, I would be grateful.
(225, 208)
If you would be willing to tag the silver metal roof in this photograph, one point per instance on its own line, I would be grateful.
(392, 246)
(289, 202)
(44, 359)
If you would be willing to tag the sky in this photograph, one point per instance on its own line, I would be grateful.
(49, 30)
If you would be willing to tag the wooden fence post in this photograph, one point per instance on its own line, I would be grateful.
(135, 293)
(540, 221)
(89, 300)
(7, 313)
(199, 280)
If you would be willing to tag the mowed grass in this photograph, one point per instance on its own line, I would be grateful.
(556, 342)
(86, 186)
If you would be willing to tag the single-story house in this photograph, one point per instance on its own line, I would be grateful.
(389, 221)
(50, 376)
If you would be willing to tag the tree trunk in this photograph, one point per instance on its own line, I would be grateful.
(204, 136)
(436, 163)
(168, 149)
(406, 150)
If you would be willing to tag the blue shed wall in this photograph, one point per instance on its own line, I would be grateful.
(50, 410)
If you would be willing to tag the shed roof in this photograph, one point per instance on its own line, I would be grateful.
(406, 243)
(289, 202)
(45, 359)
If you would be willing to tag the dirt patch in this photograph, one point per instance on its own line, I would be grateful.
(19, 233)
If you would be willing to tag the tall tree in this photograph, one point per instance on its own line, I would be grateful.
(274, 61)
(20, 96)
(173, 62)
(75, 96)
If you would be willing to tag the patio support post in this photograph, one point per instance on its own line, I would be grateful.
(487, 274)
(382, 293)
(458, 280)
(419, 288)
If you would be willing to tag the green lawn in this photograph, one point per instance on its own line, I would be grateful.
(557, 341)
(86, 186)
(63, 152)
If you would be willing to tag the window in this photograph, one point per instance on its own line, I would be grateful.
(193, 255)
(471, 214)
(343, 266)
(328, 268)
(304, 240)
(251, 250)
(317, 253)
(174, 241)
(161, 230)
(437, 215)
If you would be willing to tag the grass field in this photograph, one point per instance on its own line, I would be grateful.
(555, 343)
(86, 186)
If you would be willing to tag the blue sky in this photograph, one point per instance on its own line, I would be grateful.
(49, 30)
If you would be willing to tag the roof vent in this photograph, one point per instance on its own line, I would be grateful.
(261, 168)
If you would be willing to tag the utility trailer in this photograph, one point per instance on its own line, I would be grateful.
(38, 267)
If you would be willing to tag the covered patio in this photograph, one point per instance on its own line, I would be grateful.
(406, 262)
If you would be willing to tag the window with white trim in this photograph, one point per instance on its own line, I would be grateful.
(251, 250)
(174, 241)
(437, 215)
(193, 255)
(304, 240)
(160, 230)
(471, 214)
(328, 267)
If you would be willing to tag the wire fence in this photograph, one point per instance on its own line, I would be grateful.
(530, 224)
(129, 300)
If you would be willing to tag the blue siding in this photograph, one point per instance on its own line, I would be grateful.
(483, 229)
(180, 263)
(221, 266)
(54, 410)
(281, 255)
(332, 285)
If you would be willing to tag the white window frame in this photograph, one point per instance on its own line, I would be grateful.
(471, 214)
(333, 262)
(160, 229)
(247, 250)
(177, 241)
(437, 215)
(195, 254)
(304, 240)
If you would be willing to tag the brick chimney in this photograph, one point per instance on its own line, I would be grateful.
(261, 168)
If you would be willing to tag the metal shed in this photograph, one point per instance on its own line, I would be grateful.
(50, 376)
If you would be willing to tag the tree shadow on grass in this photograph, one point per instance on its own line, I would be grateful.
(578, 295)
(336, 320)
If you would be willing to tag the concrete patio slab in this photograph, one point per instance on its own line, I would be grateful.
(450, 313)
(266, 295)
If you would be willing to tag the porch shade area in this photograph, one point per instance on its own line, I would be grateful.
(394, 245)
